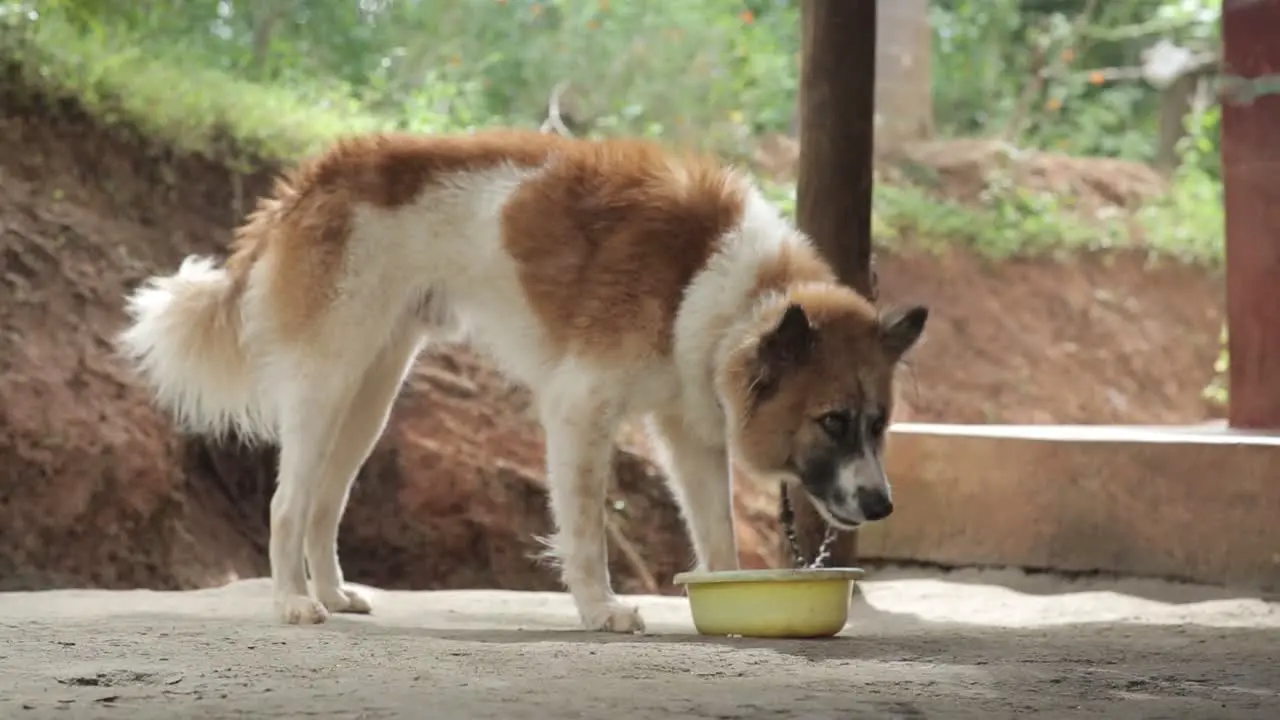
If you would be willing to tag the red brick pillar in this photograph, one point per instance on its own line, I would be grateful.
(1251, 173)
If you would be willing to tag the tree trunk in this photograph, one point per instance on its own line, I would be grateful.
(833, 194)
(904, 73)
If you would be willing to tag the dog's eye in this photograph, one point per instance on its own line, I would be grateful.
(876, 425)
(836, 424)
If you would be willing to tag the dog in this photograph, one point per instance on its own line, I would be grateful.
(613, 278)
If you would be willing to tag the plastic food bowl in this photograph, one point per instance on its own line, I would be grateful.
(801, 603)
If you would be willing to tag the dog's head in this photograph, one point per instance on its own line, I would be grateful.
(809, 396)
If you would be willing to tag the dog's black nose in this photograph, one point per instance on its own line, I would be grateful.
(874, 504)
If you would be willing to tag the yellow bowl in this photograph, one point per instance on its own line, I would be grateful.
(802, 603)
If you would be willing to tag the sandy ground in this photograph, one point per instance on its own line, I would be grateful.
(961, 645)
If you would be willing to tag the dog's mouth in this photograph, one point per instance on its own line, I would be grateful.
(836, 514)
(837, 518)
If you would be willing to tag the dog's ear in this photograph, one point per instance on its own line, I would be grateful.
(901, 328)
(788, 345)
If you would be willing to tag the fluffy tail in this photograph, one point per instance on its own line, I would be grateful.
(185, 340)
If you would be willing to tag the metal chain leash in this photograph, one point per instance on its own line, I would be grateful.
(788, 518)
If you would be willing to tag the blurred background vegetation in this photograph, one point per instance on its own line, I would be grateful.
(1128, 81)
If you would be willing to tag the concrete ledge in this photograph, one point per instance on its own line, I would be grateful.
(1194, 503)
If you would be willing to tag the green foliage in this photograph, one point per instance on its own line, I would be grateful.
(1009, 222)
(1191, 217)
(705, 72)
(284, 77)
(1034, 64)
(164, 93)
(1189, 222)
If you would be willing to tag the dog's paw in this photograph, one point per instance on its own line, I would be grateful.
(300, 610)
(613, 617)
(345, 600)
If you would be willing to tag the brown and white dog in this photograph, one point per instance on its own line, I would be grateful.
(610, 277)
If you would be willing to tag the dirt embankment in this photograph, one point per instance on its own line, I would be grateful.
(96, 489)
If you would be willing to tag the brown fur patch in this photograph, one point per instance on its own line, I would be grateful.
(795, 263)
(609, 237)
(305, 223)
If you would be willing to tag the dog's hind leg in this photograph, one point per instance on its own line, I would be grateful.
(579, 423)
(699, 478)
(315, 381)
(314, 398)
(364, 423)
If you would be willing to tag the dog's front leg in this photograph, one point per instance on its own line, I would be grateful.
(699, 478)
(579, 435)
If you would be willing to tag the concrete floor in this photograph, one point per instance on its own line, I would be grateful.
(960, 645)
